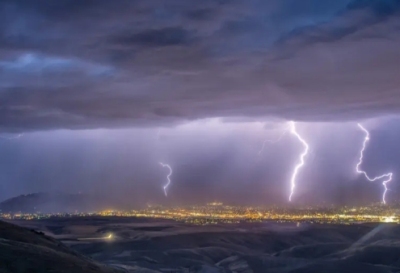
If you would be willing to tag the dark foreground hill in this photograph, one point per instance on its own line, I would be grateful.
(142, 245)
(28, 251)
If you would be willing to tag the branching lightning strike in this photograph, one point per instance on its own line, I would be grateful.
(302, 156)
(387, 175)
(272, 141)
(168, 176)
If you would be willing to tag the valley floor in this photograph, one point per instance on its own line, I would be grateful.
(151, 245)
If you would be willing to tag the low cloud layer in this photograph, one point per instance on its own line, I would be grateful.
(68, 64)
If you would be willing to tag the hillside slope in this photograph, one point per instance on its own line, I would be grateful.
(23, 250)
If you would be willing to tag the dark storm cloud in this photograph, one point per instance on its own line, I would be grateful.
(201, 14)
(357, 16)
(74, 64)
(379, 7)
(156, 37)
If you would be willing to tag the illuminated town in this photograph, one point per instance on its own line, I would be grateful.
(218, 213)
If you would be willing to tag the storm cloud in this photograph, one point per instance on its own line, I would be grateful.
(97, 64)
(199, 85)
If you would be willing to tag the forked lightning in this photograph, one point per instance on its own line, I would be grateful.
(388, 176)
(272, 141)
(302, 156)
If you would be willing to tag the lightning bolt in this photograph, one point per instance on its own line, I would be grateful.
(302, 156)
(168, 176)
(387, 175)
(272, 141)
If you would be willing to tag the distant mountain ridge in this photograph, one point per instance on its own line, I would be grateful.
(44, 202)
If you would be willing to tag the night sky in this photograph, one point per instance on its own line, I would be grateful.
(94, 94)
